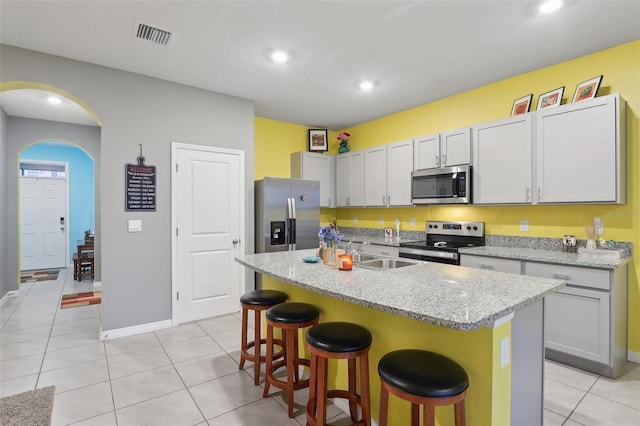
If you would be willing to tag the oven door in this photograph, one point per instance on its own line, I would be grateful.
(437, 256)
(448, 185)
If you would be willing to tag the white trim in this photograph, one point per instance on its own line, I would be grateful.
(175, 146)
(97, 285)
(633, 356)
(497, 323)
(133, 330)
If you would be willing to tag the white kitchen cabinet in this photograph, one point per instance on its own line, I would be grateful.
(320, 167)
(450, 148)
(375, 176)
(581, 152)
(399, 168)
(350, 179)
(491, 263)
(502, 159)
(387, 171)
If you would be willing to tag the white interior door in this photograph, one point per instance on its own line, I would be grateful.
(43, 223)
(208, 201)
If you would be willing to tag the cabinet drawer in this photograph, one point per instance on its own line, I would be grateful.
(583, 277)
(391, 251)
(491, 263)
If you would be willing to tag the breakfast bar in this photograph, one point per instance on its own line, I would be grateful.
(491, 323)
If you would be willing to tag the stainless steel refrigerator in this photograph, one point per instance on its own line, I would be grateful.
(287, 214)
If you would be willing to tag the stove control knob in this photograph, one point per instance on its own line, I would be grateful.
(468, 228)
(475, 228)
(435, 226)
(430, 226)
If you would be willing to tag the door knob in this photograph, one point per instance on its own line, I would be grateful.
(235, 241)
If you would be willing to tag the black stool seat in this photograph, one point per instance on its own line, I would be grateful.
(423, 373)
(292, 312)
(339, 337)
(263, 297)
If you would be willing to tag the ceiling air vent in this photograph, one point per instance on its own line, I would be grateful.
(154, 33)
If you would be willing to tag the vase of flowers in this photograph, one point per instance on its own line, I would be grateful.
(329, 240)
(344, 142)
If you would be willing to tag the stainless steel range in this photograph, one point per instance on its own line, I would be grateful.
(442, 241)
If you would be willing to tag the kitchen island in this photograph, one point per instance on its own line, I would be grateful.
(469, 315)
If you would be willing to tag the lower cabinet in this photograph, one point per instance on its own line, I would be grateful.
(585, 323)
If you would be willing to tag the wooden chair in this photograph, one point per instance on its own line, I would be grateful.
(83, 262)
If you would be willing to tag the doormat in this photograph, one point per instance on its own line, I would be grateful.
(39, 275)
(32, 408)
(80, 299)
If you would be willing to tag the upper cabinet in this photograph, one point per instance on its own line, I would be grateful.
(572, 153)
(387, 171)
(581, 152)
(350, 179)
(450, 148)
(502, 161)
(320, 167)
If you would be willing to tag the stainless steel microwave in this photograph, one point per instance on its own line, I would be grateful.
(446, 185)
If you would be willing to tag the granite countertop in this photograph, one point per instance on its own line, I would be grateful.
(446, 295)
(549, 256)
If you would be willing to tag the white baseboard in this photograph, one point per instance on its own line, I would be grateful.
(136, 329)
(633, 356)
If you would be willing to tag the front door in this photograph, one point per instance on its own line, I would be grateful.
(42, 223)
(208, 206)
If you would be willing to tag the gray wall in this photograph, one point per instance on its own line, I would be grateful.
(135, 109)
(5, 283)
(23, 132)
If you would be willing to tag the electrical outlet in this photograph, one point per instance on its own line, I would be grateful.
(524, 225)
(381, 221)
(412, 221)
(504, 352)
(355, 220)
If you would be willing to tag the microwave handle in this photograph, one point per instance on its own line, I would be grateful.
(456, 184)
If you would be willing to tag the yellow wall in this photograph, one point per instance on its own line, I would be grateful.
(621, 69)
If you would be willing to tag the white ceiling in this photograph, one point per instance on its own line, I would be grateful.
(415, 51)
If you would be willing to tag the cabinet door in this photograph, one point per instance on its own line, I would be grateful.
(577, 322)
(399, 167)
(455, 146)
(579, 153)
(343, 180)
(426, 153)
(316, 167)
(356, 197)
(502, 161)
(375, 176)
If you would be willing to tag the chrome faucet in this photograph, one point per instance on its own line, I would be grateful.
(356, 249)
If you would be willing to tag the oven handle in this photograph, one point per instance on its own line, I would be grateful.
(427, 253)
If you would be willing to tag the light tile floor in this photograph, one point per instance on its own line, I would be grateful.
(188, 375)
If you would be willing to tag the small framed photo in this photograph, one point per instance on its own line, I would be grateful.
(521, 106)
(550, 99)
(318, 140)
(587, 89)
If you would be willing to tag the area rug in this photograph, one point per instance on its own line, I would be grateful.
(32, 408)
(39, 275)
(80, 299)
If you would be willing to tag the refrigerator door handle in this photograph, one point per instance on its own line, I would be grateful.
(293, 224)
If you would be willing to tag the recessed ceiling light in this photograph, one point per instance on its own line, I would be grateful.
(54, 100)
(279, 56)
(550, 6)
(366, 85)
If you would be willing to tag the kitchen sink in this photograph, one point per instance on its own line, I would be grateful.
(363, 257)
(385, 263)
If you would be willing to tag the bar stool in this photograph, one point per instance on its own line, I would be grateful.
(422, 378)
(257, 301)
(338, 340)
(289, 317)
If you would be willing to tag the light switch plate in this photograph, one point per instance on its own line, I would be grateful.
(504, 352)
(134, 226)
(524, 225)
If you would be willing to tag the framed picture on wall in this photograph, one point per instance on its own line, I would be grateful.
(587, 89)
(521, 106)
(550, 99)
(318, 140)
